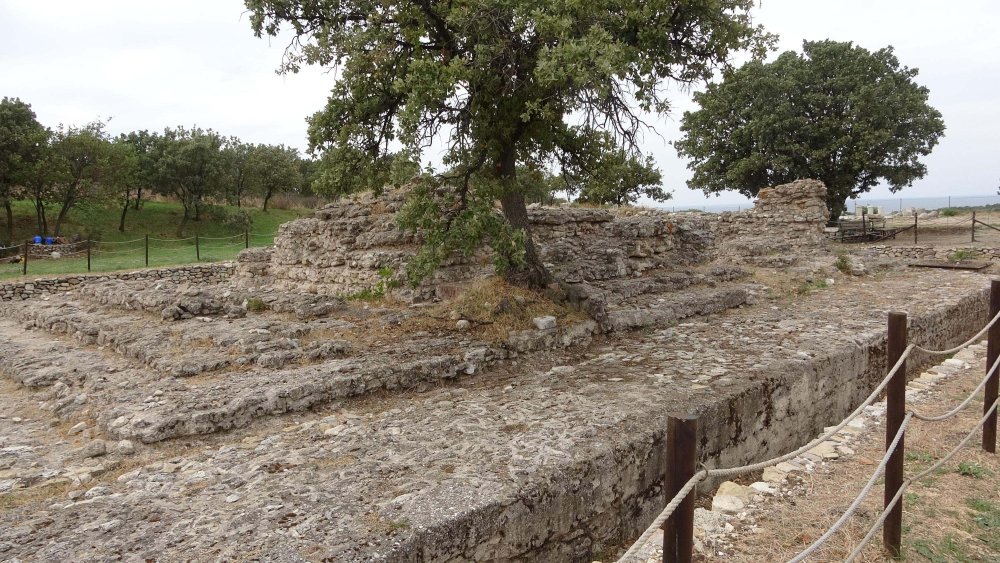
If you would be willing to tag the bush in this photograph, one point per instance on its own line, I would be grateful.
(948, 212)
(256, 305)
(842, 263)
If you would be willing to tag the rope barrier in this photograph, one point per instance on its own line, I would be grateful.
(117, 242)
(861, 496)
(729, 472)
(99, 251)
(171, 239)
(222, 238)
(662, 517)
(902, 489)
(964, 403)
(963, 345)
(658, 521)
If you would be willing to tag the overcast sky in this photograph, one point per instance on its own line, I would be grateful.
(152, 64)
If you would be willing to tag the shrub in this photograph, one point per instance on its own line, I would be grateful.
(256, 305)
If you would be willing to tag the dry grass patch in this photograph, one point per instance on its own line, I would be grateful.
(496, 308)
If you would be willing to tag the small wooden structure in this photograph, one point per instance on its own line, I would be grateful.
(869, 229)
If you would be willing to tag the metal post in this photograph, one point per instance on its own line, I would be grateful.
(197, 248)
(24, 265)
(147, 251)
(88, 254)
(682, 457)
(246, 239)
(892, 532)
(992, 351)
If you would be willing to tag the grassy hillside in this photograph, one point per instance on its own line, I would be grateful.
(125, 250)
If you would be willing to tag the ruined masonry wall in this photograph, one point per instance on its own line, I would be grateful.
(933, 253)
(201, 273)
(794, 214)
(343, 246)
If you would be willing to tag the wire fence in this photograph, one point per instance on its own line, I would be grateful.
(32, 258)
(895, 381)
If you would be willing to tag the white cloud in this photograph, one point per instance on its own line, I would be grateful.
(155, 64)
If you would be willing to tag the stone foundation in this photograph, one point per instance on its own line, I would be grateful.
(197, 274)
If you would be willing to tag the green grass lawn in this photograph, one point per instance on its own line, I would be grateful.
(126, 250)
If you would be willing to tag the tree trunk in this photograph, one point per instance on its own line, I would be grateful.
(533, 272)
(67, 204)
(184, 220)
(138, 198)
(267, 198)
(43, 224)
(10, 221)
(121, 224)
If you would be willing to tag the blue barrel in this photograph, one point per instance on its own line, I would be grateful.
(38, 239)
(49, 240)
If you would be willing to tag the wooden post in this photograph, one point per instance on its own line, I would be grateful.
(147, 250)
(197, 248)
(24, 261)
(990, 392)
(682, 458)
(246, 239)
(914, 228)
(973, 226)
(89, 243)
(892, 532)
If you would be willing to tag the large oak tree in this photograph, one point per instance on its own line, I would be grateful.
(836, 112)
(505, 83)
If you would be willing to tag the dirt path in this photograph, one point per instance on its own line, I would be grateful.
(953, 515)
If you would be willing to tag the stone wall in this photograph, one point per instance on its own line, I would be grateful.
(344, 246)
(918, 252)
(201, 273)
(785, 220)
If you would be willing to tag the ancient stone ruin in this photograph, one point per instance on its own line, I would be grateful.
(261, 412)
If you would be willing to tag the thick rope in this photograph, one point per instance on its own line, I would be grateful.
(861, 496)
(733, 471)
(221, 238)
(963, 345)
(662, 517)
(753, 467)
(171, 239)
(964, 403)
(117, 242)
(902, 489)
(791, 455)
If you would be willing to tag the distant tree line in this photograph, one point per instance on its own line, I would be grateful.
(63, 167)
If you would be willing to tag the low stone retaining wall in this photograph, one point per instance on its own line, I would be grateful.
(918, 252)
(609, 497)
(200, 273)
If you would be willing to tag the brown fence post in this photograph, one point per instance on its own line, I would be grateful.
(973, 226)
(89, 244)
(246, 239)
(914, 228)
(892, 533)
(682, 458)
(147, 250)
(24, 264)
(197, 248)
(990, 392)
